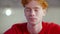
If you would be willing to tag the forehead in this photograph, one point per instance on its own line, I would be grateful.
(33, 4)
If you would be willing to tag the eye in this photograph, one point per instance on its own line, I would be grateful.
(36, 10)
(27, 10)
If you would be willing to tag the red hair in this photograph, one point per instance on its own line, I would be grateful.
(43, 3)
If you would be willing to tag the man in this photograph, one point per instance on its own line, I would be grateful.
(34, 11)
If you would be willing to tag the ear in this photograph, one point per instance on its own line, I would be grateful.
(44, 12)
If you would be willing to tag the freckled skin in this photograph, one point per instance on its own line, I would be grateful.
(34, 12)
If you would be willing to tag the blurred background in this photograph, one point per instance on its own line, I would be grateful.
(11, 12)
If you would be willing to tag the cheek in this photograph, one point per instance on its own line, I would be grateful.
(40, 14)
(26, 14)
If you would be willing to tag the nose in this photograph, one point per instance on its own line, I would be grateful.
(32, 13)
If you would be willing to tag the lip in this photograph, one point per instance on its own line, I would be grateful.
(32, 18)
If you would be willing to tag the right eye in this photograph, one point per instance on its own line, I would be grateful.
(28, 10)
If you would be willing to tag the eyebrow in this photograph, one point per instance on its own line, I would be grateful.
(36, 8)
(27, 8)
(33, 8)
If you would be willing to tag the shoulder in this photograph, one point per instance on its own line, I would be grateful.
(50, 24)
(19, 25)
(53, 28)
(15, 27)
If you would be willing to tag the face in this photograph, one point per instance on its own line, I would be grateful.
(34, 12)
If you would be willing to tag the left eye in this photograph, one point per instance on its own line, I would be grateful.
(36, 10)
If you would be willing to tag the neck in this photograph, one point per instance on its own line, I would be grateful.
(34, 28)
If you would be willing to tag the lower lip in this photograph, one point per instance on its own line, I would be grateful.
(32, 19)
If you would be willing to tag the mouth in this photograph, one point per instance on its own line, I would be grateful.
(32, 19)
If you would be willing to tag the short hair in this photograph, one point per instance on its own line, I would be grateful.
(43, 3)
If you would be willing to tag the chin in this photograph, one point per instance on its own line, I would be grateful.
(33, 23)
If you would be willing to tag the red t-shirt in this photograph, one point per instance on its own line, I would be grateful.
(22, 29)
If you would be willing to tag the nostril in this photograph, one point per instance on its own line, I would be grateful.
(31, 15)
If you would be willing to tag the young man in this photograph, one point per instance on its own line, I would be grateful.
(34, 11)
